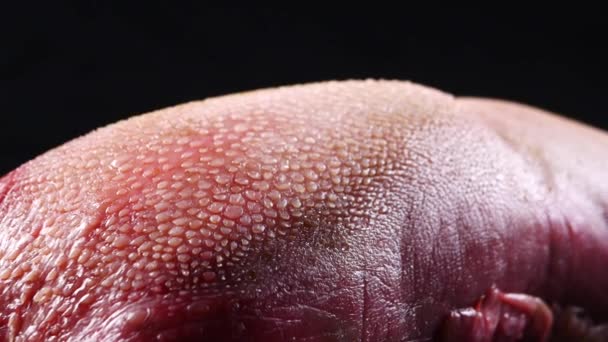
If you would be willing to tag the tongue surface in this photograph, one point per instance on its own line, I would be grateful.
(330, 212)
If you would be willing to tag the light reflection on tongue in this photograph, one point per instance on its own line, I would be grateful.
(325, 212)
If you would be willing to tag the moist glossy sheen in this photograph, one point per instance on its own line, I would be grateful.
(182, 205)
(334, 211)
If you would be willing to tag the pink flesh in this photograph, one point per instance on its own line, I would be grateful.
(498, 316)
(328, 212)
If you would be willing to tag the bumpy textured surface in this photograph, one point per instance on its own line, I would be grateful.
(333, 211)
(180, 200)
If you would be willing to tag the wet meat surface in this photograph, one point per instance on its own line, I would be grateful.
(339, 211)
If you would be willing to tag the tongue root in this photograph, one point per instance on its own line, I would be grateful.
(499, 316)
(573, 324)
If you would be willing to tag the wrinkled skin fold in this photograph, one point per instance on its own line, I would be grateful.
(340, 211)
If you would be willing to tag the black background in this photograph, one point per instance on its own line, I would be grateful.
(66, 68)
